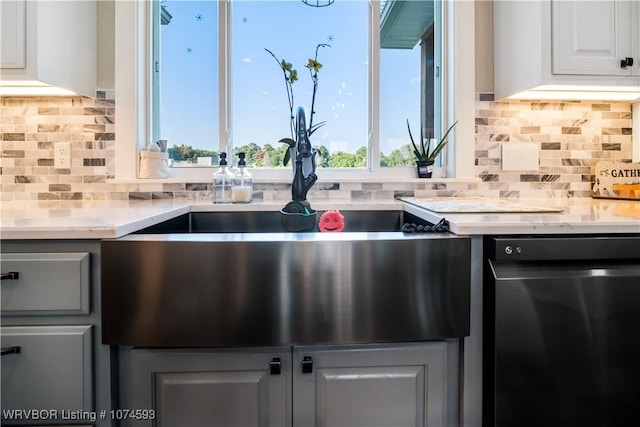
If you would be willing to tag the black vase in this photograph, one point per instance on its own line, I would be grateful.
(425, 168)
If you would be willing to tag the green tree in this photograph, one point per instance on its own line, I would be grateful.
(180, 153)
(322, 158)
(402, 156)
(361, 155)
(253, 153)
(343, 160)
(203, 153)
(186, 153)
(274, 155)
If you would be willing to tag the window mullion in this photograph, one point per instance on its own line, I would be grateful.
(155, 71)
(224, 75)
(374, 87)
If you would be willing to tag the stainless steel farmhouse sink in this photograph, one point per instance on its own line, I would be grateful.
(217, 279)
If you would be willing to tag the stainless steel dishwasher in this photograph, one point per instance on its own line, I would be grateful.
(561, 330)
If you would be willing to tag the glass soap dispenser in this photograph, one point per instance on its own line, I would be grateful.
(242, 190)
(222, 181)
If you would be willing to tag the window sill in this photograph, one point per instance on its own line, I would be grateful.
(283, 180)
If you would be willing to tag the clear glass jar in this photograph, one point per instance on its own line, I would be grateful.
(242, 189)
(222, 182)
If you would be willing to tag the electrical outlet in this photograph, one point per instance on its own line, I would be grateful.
(62, 155)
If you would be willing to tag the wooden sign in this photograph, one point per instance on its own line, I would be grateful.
(617, 180)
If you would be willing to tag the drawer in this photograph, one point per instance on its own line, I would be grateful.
(48, 283)
(52, 371)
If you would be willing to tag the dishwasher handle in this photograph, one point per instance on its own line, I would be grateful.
(563, 248)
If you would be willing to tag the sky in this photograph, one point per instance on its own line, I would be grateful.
(291, 30)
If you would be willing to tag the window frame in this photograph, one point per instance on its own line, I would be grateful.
(134, 86)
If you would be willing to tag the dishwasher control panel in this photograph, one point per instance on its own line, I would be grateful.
(554, 248)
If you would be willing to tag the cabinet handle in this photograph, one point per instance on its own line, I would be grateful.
(626, 62)
(307, 365)
(275, 366)
(12, 275)
(14, 349)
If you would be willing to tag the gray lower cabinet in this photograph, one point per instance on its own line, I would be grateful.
(228, 388)
(49, 369)
(55, 371)
(369, 385)
(47, 284)
(400, 386)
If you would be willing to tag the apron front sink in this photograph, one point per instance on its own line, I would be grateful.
(221, 289)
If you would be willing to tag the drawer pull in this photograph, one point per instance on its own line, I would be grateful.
(275, 366)
(626, 62)
(307, 365)
(12, 275)
(14, 349)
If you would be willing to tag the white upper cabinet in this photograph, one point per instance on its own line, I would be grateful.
(50, 42)
(575, 45)
(13, 34)
(593, 38)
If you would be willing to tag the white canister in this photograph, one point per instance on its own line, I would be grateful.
(153, 164)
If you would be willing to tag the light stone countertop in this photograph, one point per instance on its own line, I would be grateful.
(579, 215)
(111, 219)
(102, 219)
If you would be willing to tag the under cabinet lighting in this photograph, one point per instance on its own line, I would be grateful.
(31, 88)
(580, 93)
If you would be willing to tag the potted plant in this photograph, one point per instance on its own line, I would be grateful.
(425, 156)
(290, 77)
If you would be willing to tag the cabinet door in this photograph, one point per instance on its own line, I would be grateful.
(370, 386)
(51, 370)
(635, 37)
(212, 388)
(591, 37)
(13, 31)
(48, 283)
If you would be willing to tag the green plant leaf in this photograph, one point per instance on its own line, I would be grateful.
(315, 127)
(442, 143)
(288, 141)
(287, 154)
(419, 156)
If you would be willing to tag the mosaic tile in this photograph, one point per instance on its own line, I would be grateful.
(196, 187)
(403, 193)
(59, 187)
(137, 195)
(108, 136)
(10, 136)
(371, 186)
(93, 162)
(48, 196)
(72, 196)
(162, 195)
(361, 195)
(329, 186)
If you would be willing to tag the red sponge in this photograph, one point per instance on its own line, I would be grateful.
(331, 221)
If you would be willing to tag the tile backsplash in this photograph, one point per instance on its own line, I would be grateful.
(572, 137)
(29, 128)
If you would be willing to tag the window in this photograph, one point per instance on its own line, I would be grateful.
(292, 30)
(186, 99)
(186, 80)
(135, 121)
